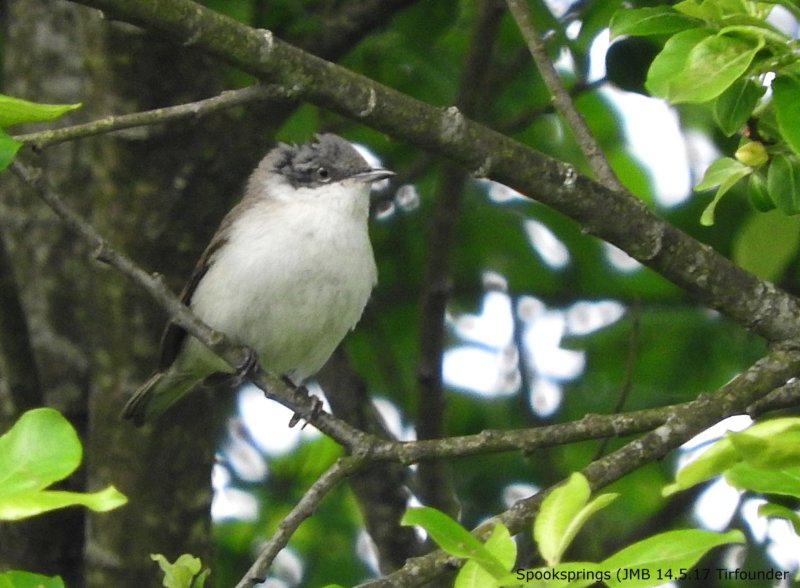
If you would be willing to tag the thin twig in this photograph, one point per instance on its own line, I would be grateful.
(562, 99)
(338, 471)
(227, 99)
(524, 119)
(627, 382)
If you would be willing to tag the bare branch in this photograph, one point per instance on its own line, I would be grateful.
(338, 471)
(562, 99)
(109, 124)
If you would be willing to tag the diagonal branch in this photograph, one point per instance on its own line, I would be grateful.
(562, 99)
(338, 471)
(617, 217)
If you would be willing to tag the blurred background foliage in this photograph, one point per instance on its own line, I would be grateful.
(544, 323)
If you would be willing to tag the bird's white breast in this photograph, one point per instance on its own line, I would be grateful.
(292, 279)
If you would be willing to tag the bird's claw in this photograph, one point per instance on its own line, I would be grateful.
(244, 372)
(301, 393)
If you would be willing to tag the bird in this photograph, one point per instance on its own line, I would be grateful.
(287, 273)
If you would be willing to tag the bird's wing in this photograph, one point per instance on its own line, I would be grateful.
(174, 335)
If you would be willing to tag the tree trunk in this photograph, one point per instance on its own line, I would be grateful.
(94, 337)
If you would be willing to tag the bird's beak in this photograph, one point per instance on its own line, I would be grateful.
(374, 175)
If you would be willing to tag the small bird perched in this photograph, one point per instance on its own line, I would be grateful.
(287, 273)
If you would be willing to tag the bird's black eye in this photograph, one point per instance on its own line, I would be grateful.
(323, 175)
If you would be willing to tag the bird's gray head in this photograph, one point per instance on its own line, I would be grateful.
(327, 160)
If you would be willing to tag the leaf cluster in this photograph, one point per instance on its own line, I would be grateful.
(725, 54)
(763, 459)
(564, 512)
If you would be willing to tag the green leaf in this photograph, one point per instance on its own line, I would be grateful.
(641, 22)
(712, 10)
(783, 183)
(500, 545)
(768, 452)
(16, 111)
(672, 60)
(673, 550)
(20, 579)
(722, 455)
(185, 572)
(724, 172)
(28, 504)
(772, 510)
(42, 448)
(714, 460)
(758, 195)
(453, 538)
(562, 514)
(696, 66)
(785, 92)
(766, 244)
(697, 9)
(734, 106)
(785, 482)
(8, 149)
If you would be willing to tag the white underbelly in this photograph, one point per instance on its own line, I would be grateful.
(290, 299)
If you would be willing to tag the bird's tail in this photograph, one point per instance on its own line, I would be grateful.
(157, 394)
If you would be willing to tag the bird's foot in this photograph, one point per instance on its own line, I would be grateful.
(244, 372)
(302, 395)
(247, 368)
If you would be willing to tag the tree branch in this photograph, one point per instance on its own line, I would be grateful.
(617, 217)
(338, 471)
(765, 375)
(227, 99)
(591, 426)
(562, 99)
